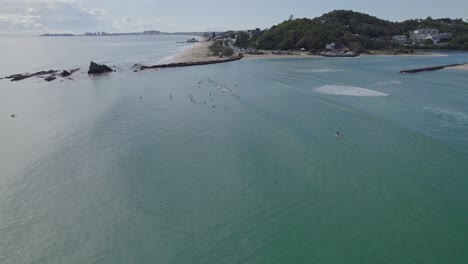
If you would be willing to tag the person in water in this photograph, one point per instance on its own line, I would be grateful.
(337, 134)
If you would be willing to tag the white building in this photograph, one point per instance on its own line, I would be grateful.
(330, 46)
(426, 31)
(421, 35)
(400, 39)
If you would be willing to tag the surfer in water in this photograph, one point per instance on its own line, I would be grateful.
(337, 134)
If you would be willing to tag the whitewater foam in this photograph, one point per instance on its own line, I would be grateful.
(170, 58)
(348, 91)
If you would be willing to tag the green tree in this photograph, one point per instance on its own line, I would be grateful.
(242, 40)
(429, 42)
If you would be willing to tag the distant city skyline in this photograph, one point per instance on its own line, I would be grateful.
(78, 16)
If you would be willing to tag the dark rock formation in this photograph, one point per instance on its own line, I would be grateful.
(187, 64)
(95, 68)
(435, 68)
(47, 75)
(50, 78)
(22, 76)
(65, 73)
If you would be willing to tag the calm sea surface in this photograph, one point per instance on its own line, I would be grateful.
(89, 173)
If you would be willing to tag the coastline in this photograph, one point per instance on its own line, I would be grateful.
(301, 56)
(200, 51)
(273, 56)
(416, 54)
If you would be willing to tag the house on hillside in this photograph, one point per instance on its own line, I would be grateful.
(331, 46)
(399, 39)
(254, 32)
(421, 35)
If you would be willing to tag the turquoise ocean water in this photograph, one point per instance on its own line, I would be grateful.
(89, 173)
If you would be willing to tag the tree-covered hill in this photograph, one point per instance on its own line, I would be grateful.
(355, 30)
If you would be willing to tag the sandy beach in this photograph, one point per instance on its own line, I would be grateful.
(198, 52)
(416, 54)
(305, 55)
(201, 52)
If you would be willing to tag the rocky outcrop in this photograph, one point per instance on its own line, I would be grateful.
(47, 75)
(66, 73)
(50, 78)
(22, 76)
(95, 68)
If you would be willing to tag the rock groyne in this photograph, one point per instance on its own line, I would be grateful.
(434, 68)
(188, 64)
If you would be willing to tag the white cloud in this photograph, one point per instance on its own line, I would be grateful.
(10, 22)
(97, 12)
(128, 23)
(75, 16)
(51, 15)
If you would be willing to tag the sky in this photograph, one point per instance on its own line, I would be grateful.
(78, 16)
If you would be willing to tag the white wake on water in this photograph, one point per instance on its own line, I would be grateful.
(348, 91)
(389, 83)
(324, 70)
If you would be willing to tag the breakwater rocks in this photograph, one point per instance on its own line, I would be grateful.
(49, 75)
(188, 64)
(434, 68)
(52, 75)
(22, 76)
(95, 68)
